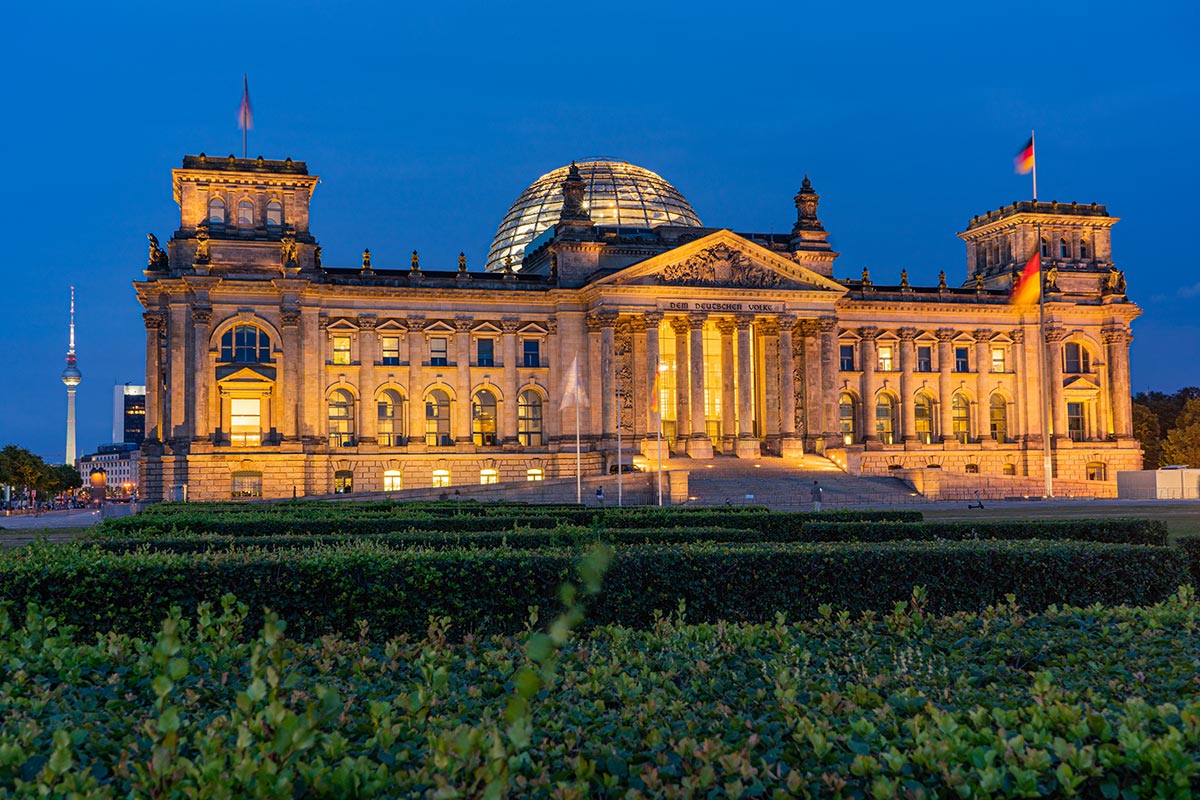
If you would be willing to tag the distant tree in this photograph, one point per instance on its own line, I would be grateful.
(1148, 431)
(21, 468)
(1182, 445)
(62, 478)
(1167, 407)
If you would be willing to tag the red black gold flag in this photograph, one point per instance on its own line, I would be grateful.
(1028, 288)
(1024, 158)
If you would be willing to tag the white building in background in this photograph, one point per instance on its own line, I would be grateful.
(120, 464)
(1172, 483)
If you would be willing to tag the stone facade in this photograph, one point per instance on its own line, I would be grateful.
(270, 374)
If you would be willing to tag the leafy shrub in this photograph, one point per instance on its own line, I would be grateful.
(1115, 530)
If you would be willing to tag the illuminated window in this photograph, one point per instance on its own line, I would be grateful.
(885, 419)
(274, 214)
(925, 420)
(924, 359)
(437, 419)
(1076, 422)
(485, 353)
(392, 480)
(216, 211)
(488, 476)
(1096, 471)
(441, 478)
(389, 351)
(972, 469)
(483, 418)
(1009, 469)
(846, 353)
(1076, 358)
(998, 416)
(245, 211)
(885, 358)
(997, 359)
(341, 418)
(247, 483)
(390, 410)
(531, 353)
(529, 418)
(535, 474)
(961, 418)
(1083, 248)
(962, 359)
(341, 349)
(1064, 249)
(1045, 248)
(343, 481)
(245, 344)
(846, 419)
(437, 351)
(245, 421)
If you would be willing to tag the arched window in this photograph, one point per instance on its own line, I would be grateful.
(846, 420)
(487, 476)
(1083, 249)
(441, 478)
(961, 418)
(1045, 247)
(245, 344)
(972, 469)
(998, 417)
(245, 213)
(392, 480)
(247, 483)
(216, 211)
(343, 481)
(1064, 248)
(535, 474)
(483, 418)
(390, 417)
(529, 418)
(885, 418)
(274, 213)
(437, 421)
(1076, 358)
(1009, 469)
(341, 418)
(926, 420)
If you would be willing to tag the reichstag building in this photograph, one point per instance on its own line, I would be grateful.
(270, 373)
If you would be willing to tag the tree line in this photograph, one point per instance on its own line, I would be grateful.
(1168, 426)
(25, 471)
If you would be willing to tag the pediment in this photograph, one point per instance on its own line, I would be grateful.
(1080, 384)
(722, 260)
(246, 373)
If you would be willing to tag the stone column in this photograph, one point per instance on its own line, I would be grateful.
(746, 445)
(827, 328)
(416, 380)
(368, 352)
(312, 334)
(789, 443)
(1054, 353)
(1019, 426)
(178, 322)
(550, 417)
(155, 322)
(202, 373)
(908, 409)
(814, 401)
(573, 344)
(772, 394)
(608, 373)
(508, 354)
(699, 445)
(869, 385)
(983, 367)
(945, 337)
(640, 392)
(728, 387)
(1117, 340)
(683, 406)
(652, 318)
(593, 380)
(462, 380)
(289, 398)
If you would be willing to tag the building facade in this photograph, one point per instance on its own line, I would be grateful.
(270, 374)
(118, 462)
(129, 414)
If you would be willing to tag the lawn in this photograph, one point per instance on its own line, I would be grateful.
(1182, 518)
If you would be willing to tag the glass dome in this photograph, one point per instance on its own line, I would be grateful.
(618, 193)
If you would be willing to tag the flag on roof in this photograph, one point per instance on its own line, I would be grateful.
(1024, 158)
(1027, 289)
(573, 394)
(245, 120)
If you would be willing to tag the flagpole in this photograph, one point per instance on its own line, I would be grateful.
(1044, 359)
(1034, 146)
(578, 461)
(620, 465)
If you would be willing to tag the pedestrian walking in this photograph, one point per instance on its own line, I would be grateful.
(816, 496)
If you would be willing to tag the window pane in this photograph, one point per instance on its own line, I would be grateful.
(846, 353)
(485, 350)
(532, 353)
(245, 213)
(924, 359)
(274, 213)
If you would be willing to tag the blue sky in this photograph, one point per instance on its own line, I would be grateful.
(425, 122)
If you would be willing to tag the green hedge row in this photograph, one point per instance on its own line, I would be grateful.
(395, 591)
(1191, 546)
(1115, 531)
(1083, 702)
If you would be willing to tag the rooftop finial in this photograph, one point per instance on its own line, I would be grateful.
(806, 208)
(572, 191)
(462, 262)
(416, 262)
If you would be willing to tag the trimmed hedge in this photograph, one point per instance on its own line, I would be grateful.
(1114, 531)
(328, 590)
(1191, 546)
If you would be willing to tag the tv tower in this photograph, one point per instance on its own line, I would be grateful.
(71, 376)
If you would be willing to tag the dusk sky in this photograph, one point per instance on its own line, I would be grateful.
(426, 121)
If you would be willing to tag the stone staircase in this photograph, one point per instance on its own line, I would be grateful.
(786, 484)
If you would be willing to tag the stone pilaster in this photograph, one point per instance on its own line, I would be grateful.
(945, 337)
(1020, 427)
(462, 380)
(652, 318)
(1055, 337)
(683, 407)
(983, 367)
(908, 358)
(868, 384)
(727, 327)
(827, 328)
(416, 379)
(768, 330)
(789, 444)
(508, 354)
(699, 445)
(746, 446)
(1116, 339)
(289, 321)
(202, 374)
(156, 323)
(608, 373)
(178, 322)
(368, 354)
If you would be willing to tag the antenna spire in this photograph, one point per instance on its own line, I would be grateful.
(71, 376)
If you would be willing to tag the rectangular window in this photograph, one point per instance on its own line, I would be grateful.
(485, 353)
(341, 350)
(389, 353)
(925, 359)
(245, 421)
(997, 359)
(885, 358)
(962, 359)
(847, 357)
(437, 351)
(1075, 422)
(532, 352)
(247, 484)
(487, 476)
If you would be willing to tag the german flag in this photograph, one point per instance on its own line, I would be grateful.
(1028, 287)
(1024, 158)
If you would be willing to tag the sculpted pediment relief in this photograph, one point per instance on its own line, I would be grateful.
(721, 265)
